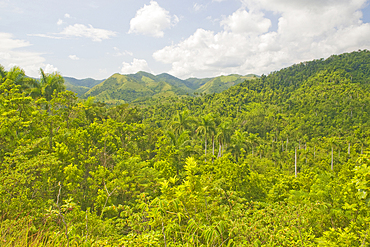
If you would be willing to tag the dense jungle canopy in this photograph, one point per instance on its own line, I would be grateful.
(281, 160)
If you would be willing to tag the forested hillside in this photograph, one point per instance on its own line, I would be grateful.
(281, 160)
(144, 88)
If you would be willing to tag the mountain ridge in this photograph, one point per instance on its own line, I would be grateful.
(143, 86)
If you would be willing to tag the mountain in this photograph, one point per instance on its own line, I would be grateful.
(221, 83)
(130, 88)
(142, 87)
(174, 81)
(80, 86)
(280, 160)
(88, 82)
(321, 98)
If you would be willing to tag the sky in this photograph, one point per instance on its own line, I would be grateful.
(196, 38)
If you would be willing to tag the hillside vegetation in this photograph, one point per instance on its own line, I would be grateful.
(280, 160)
(145, 88)
(80, 87)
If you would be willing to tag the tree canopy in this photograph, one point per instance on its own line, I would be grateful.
(210, 170)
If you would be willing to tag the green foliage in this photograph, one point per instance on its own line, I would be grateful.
(211, 170)
(145, 88)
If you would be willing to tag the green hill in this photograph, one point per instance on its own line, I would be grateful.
(221, 83)
(145, 87)
(280, 160)
(80, 86)
(151, 80)
(133, 88)
(119, 88)
(296, 102)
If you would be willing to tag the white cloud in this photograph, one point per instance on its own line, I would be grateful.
(13, 52)
(46, 36)
(152, 20)
(306, 30)
(60, 22)
(67, 15)
(205, 53)
(80, 30)
(7, 42)
(119, 53)
(243, 21)
(198, 7)
(135, 66)
(74, 57)
(50, 69)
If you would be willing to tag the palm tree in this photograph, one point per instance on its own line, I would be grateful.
(238, 141)
(2, 74)
(179, 142)
(224, 132)
(182, 121)
(333, 142)
(51, 83)
(46, 86)
(252, 140)
(18, 77)
(206, 126)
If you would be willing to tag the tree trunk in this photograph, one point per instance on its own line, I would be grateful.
(51, 136)
(286, 149)
(332, 158)
(295, 162)
(205, 146)
(213, 146)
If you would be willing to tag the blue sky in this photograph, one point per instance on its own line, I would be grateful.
(184, 38)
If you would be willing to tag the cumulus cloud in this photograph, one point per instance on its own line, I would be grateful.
(306, 30)
(243, 21)
(74, 57)
(152, 20)
(135, 66)
(204, 53)
(50, 69)
(67, 15)
(13, 52)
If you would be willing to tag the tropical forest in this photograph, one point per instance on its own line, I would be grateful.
(142, 160)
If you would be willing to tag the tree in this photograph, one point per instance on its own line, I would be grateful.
(238, 142)
(252, 140)
(50, 84)
(224, 132)
(206, 126)
(178, 142)
(182, 121)
(18, 77)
